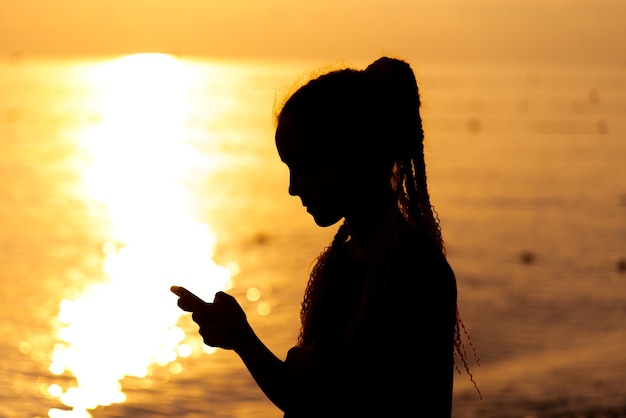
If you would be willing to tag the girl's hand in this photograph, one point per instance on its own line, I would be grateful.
(222, 323)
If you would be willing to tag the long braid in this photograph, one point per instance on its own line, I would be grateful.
(409, 176)
(315, 289)
(460, 351)
(415, 196)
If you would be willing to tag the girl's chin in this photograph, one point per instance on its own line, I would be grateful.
(325, 224)
(324, 219)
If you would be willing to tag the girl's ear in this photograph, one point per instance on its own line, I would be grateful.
(374, 164)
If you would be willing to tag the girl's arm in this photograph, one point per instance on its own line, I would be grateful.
(268, 371)
(223, 324)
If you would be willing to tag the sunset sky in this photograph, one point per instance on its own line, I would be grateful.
(577, 31)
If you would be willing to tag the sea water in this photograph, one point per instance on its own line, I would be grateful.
(122, 176)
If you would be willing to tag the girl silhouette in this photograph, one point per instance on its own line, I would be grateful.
(379, 323)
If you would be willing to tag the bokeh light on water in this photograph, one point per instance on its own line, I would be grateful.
(137, 156)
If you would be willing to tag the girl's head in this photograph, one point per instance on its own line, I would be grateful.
(351, 133)
(350, 114)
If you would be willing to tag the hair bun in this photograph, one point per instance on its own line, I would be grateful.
(398, 101)
(397, 80)
(387, 68)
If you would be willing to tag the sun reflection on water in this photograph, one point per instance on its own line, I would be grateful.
(127, 324)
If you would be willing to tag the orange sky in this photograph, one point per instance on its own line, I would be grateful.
(554, 30)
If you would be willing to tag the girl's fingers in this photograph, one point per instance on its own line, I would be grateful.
(187, 301)
(205, 314)
(221, 297)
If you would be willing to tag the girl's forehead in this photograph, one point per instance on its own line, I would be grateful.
(294, 137)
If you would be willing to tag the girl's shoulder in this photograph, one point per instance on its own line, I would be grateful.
(420, 263)
(416, 246)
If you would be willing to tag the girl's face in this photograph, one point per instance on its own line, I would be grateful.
(329, 187)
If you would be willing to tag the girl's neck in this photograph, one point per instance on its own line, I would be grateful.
(364, 226)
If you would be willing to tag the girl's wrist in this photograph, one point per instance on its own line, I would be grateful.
(246, 340)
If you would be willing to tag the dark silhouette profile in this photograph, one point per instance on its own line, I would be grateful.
(379, 319)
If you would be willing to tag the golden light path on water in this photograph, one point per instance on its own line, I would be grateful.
(128, 324)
